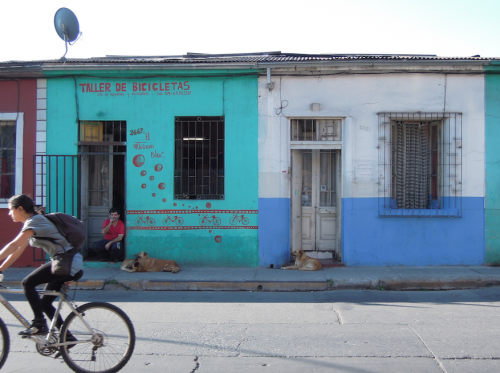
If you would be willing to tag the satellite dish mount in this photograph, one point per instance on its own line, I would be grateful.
(67, 27)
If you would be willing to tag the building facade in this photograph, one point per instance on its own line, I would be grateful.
(382, 162)
(175, 152)
(238, 160)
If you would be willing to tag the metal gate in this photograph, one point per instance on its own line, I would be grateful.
(56, 186)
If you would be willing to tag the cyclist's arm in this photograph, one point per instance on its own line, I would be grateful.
(14, 249)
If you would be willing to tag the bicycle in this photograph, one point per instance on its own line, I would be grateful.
(105, 336)
(237, 219)
(177, 219)
(205, 220)
(140, 220)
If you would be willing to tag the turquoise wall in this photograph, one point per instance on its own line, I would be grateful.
(492, 133)
(229, 94)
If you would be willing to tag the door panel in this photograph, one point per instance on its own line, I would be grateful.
(97, 178)
(319, 200)
(308, 232)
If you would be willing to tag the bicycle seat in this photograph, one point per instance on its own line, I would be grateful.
(78, 275)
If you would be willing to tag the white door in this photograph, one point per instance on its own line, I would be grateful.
(320, 178)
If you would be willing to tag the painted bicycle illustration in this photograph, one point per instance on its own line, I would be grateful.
(176, 219)
(238, 219)
(147, 221)
(213, 220)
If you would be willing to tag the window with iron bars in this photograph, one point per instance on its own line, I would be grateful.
(112, 132)
(199, 158)
(420, 163)
(316, 130)
(7, 159)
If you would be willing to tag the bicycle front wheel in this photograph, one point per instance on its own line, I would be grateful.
(4, 343)
(109, 345)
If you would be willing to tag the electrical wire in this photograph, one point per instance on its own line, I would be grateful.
(283, 103)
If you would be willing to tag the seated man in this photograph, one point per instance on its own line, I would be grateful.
(111, 248)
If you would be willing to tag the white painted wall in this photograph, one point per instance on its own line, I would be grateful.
(357, 99)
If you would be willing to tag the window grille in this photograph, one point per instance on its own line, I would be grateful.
(420, 164)
(199, 158)
(8, 159)
(316, 130)
(92, 132)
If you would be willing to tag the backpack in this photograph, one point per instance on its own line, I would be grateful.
(72, 229)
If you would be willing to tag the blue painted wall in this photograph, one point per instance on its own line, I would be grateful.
(274, 231)
(369, 240)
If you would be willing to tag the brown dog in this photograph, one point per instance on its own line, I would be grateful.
(143, 263)
(303, 262)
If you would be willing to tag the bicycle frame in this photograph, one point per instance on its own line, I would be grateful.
(38, 338)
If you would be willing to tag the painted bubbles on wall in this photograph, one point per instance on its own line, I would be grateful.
(142, 139)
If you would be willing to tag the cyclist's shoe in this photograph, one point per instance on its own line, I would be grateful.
(38, 327)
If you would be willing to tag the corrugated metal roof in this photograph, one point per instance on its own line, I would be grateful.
(243, 58)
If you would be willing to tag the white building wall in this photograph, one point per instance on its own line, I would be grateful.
(357, 99)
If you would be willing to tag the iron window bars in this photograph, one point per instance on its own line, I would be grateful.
(420, 164)
(102, 132)
(316, 130)
(199, 158)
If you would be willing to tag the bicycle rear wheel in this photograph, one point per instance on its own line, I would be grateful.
(109, 349)
(4, 343)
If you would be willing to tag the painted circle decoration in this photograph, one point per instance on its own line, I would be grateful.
(143, 186)
(162, 186)
(143, 173)
(208, 205)
(151, 178)
(158, 167)
(164, 200)
(139, 160)
(175, 204)
(218, 239)
(154, 194)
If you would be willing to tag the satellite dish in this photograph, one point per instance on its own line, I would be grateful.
(67, 27)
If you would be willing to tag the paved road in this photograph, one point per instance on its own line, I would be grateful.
(339, 331)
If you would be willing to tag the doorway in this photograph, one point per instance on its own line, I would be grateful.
(318, 173)
(102, 149)
(103, 187)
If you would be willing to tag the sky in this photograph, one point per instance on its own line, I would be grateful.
(167, 27)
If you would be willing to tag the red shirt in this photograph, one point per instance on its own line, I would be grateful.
(113, 231)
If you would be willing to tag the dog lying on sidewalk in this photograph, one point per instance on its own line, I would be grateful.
(143, 263)
(304, 262)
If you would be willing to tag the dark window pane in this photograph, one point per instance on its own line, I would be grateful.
(200, 152)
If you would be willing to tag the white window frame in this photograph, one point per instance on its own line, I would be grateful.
(18, 118)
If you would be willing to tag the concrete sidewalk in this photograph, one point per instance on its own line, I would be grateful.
(266, 279)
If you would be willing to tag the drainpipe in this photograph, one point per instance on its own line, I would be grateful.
(269, 85)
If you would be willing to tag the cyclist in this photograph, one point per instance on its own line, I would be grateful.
(22, 210)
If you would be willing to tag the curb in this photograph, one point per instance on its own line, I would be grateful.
(278, 286)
